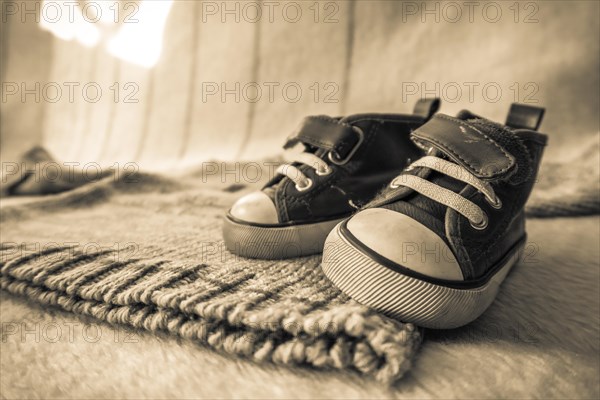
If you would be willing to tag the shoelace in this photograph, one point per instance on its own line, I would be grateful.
(301, 181)
(476, 216)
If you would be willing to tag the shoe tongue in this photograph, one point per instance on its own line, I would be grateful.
(466, 114)
(424, 209)
(474, 143)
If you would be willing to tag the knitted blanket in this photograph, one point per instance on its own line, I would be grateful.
(146, 250)
(148, 253)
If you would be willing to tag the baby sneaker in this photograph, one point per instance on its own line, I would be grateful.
(435, 245)
(343, 164)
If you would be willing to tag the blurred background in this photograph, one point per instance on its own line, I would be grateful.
(168, 83)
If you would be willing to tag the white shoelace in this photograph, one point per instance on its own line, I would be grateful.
(467, 208)
(302, 181)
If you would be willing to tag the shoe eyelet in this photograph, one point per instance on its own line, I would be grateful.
(496, 203)
(482, 225)
(304, 188)
(394, 185)
(324, 172)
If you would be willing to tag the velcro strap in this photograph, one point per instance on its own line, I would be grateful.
(326, 133)
(466, 145)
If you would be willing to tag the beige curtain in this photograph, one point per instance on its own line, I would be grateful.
(230, 84)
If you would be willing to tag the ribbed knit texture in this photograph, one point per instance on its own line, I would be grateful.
(146, 251)
(149, 254)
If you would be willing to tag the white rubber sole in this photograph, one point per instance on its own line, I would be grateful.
(276, 242)
(404, 297)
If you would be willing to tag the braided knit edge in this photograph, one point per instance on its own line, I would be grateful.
(365, 342)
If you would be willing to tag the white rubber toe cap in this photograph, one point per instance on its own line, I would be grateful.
(255, 207)
(406, 242)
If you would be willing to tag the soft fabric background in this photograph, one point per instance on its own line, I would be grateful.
(374, 53)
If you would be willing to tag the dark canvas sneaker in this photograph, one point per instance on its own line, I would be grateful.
(344, 163)
(435, 245)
